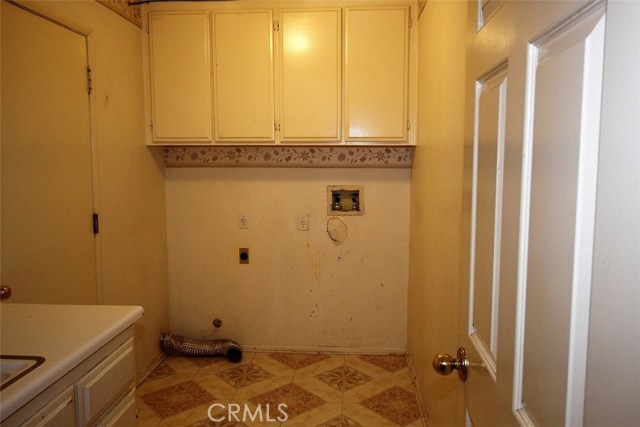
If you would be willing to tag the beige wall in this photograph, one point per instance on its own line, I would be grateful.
(130, 176)
(301, 290)
(436, 204)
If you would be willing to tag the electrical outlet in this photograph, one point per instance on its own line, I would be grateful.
(243, 255)
(303, 222)
(243, 220)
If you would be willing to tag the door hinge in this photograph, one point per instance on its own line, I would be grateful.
(151, 125)
(96, 224)
(276, 126)
(89, 80)
(276, 25)
(410, 22)
(408, 124)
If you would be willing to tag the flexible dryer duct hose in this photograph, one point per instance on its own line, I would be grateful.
(194, 347)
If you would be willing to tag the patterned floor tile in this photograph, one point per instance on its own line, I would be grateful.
(365, 417)
(175, 399)
(298, 360)
(261, 415)
(191, 416)
(391, 363)
(146, 416)
(222, 364)
(244, 375)
(396, 404)
(276, 368)
(343, 378)
(316, 416)
(333, 361)
(341, 421)
(162, 383)
(181, 364)
(215, 385)
(161, 371)
(201, 362)
(297, 399)
(320, 390)
(208, 423)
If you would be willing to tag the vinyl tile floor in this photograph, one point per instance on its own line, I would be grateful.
(319, 390)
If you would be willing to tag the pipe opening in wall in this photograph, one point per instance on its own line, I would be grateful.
(345, 200)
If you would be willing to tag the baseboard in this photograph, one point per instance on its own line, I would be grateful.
(416, 389)
(149, 367)
(324, 349)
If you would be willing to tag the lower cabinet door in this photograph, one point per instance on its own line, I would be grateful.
(61, 411)
(98, 390)
(124, 414)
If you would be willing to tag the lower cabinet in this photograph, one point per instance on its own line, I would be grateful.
(124, 414)
(105, 386)
(99, 392)
(60, 412)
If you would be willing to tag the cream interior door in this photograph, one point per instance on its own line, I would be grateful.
(48, 251)
(535, 73)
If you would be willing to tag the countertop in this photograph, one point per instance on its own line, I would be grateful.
(64, 335)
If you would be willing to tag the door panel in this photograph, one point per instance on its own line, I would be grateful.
(612, 391)
(559, 204)
(490, 112)
(47, 198)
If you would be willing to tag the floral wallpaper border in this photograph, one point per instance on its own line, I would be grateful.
(122, 8)
(290, 157)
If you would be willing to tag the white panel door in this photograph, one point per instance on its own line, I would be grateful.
(534, 107)
(562, 134)
(48, 251)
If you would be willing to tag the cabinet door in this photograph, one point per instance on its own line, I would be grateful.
(180, 76)
(377, 73)
(61, 411)
(125, 413)
(243, 76)
(98, 389)
(310, 77)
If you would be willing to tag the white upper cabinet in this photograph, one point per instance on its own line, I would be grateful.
(243, 76)
(376, 73)
(310, 75)
(180, 73)
(296, 75)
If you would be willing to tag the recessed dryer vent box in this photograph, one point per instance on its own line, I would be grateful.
(345, 200)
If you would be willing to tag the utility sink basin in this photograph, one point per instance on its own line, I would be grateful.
(12, 368)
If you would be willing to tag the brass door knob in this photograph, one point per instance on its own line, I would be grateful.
(5, 292)
(444, 364)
